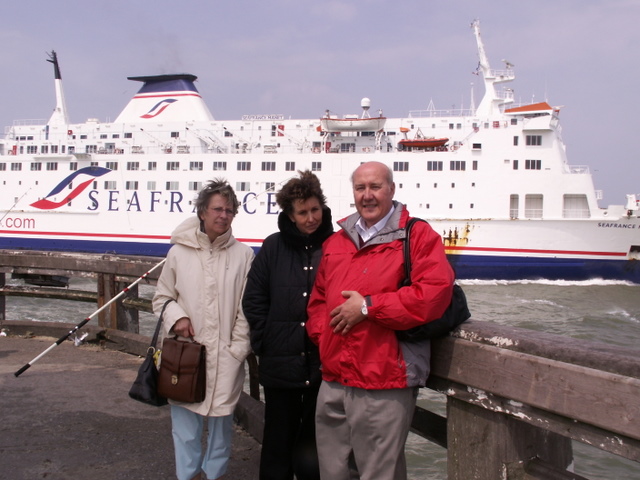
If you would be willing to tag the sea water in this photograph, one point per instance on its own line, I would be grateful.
(600, 311)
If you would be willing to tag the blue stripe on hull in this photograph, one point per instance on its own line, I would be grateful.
(466, 266)
(519, 268)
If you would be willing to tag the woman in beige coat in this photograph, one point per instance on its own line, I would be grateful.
(205, 273)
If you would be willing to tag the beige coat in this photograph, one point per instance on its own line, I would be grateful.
(207, 281)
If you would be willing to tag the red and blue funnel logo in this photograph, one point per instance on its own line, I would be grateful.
(91, 172)
(158, 108)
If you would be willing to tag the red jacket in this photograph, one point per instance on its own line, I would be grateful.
(370, 356)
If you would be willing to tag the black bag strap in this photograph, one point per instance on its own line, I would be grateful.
(406, 249)
(154, 341)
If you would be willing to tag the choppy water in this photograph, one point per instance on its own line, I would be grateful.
(600, 311)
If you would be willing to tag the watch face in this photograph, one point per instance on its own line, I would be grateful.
(363, 309)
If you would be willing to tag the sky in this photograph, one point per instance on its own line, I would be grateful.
(299, 58)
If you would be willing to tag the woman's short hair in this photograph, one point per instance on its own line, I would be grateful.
(304, 187)
(217, 186)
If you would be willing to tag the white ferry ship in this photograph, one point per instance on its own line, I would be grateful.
(493, 180)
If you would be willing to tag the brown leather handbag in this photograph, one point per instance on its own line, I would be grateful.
(183, 371)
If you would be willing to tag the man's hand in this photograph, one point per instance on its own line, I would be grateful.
(183, 328)
(349, 314)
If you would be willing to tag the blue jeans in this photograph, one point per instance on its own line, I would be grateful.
(187, 428)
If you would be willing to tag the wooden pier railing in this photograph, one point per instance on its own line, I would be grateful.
(515, 398)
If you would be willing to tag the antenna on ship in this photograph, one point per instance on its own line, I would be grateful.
(491, 100)
(59, 116)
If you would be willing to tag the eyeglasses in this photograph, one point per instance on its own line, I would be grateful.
(220, 210)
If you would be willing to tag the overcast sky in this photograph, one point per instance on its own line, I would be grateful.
(299, 57)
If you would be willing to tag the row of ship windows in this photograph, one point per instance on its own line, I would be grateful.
(530, 140)
(432, 166)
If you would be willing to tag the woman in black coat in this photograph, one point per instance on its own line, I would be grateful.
(275, 304)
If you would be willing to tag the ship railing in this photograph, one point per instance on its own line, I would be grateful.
(29, 122)
(430, 112)
(516, 399)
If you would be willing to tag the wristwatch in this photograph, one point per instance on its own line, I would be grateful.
(365, 303)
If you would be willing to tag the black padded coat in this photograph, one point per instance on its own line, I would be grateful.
(275, 304)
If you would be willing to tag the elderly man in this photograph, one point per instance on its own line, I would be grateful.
(370, 379)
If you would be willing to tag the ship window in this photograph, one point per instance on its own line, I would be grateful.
(172, 186)
(316, 166)
(16, 167)
(151, 185)
(514, 206)
(110, 185)
(515, 141)
(199, 166)
(3, 167)
(32, 149)
(91, 149)
(290, 166)
(195, 186)
(115, 135)
(172, 166)
(435, 185)
(433, 166)
(131, 185)
(83, 137)
(347, 147)
(269, 186)
(227, 133)
(133, 165)
(471, 205)
(54, 148)
(453, 185)
(268, 166)
(399, 185)
(515, 164)
(575, 206)
(533, 164)
(152, 166)
(242, 186)
(73, 166)
(175, 134)
(450, 206)
(103, 136)
(219, 165)
(112, 165)
(44, 149)
(533, 206)
(451, 126)
(243, 166)
(128, 135)
(475, 165)
(36, 166)
(400, 166)
(476, 146)
(457, 165)
(94, 164)
(514, 121)
(51, 166)
(534, 140)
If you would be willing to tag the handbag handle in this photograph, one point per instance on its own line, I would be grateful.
(154, 341)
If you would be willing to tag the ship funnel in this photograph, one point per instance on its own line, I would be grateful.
(166, 98)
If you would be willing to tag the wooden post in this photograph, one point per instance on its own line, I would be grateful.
(3, 303)
(486, 445)
(127, 319)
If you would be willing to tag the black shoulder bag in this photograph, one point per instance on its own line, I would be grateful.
(457, 312)
(145, 386)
